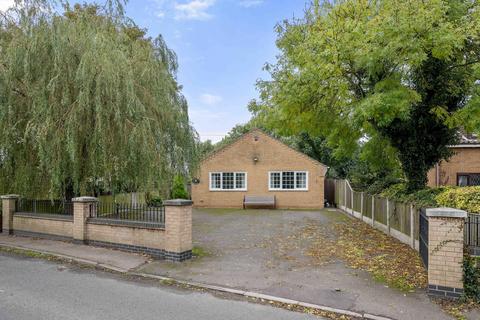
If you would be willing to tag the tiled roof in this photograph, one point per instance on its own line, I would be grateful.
(469, 139)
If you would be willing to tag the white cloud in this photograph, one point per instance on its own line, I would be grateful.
(210, 99)
(5, 4)
(250, 3)
(159, 8)
(193, 10)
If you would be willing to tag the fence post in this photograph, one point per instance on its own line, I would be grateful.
(373, 210)
(361, 204)
(412, 226)
(8, 209)
(351, 201)
(81, 212)
(345, 193)
(445, 251)
(178, 229)
(388, 215)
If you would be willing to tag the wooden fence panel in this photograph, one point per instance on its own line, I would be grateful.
(357, 201)
(367, 204)
(380, 210)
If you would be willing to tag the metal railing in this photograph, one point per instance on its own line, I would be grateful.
(472, 231)
(133, 213)
(53, 207)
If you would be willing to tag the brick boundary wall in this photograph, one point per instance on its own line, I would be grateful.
(40, 235)
(173, 242)
(445, 252)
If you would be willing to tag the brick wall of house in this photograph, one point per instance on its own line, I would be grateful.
(465, 160)
(272, 156)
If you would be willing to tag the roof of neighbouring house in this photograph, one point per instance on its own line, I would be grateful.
(468, 140)
(211, 155)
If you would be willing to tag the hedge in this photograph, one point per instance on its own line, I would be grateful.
(465, 198)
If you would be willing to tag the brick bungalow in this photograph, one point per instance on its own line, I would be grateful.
(462, 169)
(257, 164)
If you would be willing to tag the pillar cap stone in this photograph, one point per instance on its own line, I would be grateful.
(446, 213)
(85, 199)
(178, 202)
(9, 196)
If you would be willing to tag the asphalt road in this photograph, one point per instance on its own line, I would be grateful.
(37, 289)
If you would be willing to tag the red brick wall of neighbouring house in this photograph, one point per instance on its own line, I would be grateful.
(465, 160)
(272, 156)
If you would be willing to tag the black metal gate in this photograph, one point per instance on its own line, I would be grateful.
(423, 237)
(472, 233)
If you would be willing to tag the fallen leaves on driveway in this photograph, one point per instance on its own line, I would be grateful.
(389, 260)
(362, 247)
(459, 308)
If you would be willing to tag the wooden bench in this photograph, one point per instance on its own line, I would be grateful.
(259, 202)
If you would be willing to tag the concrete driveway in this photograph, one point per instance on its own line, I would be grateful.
(266, 251)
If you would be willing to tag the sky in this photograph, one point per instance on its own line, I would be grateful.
(221, 45)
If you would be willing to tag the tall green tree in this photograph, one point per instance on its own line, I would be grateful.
(402, 74)
(87, 103)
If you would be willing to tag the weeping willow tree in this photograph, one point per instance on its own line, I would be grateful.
(87, 103)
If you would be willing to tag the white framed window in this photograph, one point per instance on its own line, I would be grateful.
(288, 180)
(228, 181)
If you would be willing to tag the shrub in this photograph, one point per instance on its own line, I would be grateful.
(178, 189)
(465, 198)
(471, 277)
(155, 201)
(422, 198)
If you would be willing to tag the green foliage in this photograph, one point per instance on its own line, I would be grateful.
(155, 202)
(422, 198)
(236, 132)
(471, 277)
(318, 149)
(178, 189)
(205, 148)
(199, 252)
(153, 199)
(88, 103)
(398, 77)
(465, 198)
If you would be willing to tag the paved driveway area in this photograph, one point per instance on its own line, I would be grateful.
(266, 251)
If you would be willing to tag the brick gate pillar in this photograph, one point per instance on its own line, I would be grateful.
(8, 209)
(445, 251)
(178, 229)
(82, 208)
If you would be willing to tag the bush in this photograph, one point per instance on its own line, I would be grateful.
(178, 189)
(471, 277)
(465, 198)
(423, 198)
(155, 202)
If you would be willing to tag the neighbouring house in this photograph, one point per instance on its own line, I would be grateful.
(257, 164)
(462, 169)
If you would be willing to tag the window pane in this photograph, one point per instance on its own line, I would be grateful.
(216, 181)
(463, 181)
(474, 179)
(240, 180)
(288, 180)
(301, 180)
(227, 179)
(275, 180)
